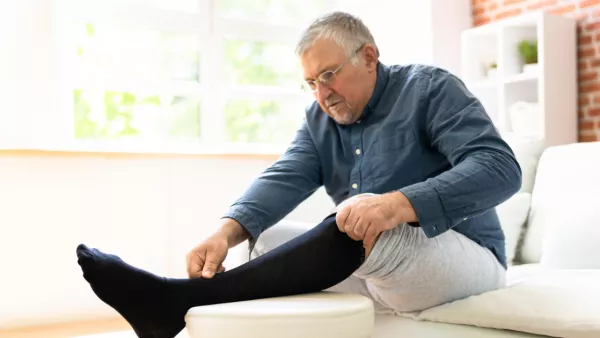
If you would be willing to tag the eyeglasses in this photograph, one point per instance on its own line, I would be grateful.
(327, 77)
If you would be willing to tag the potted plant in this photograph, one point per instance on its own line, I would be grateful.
(529, 55)
(492, 69)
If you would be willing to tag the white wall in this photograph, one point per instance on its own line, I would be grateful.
(150, 211)
(24, 37)
(411, 31)
(448, 19)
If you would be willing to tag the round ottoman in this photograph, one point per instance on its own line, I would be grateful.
(314, 315)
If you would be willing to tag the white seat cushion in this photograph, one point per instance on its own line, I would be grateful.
(573, 233)
(527, 150)
(324, 314)
(391, 326)
(537, 300)
(564, 173)
(513, 215)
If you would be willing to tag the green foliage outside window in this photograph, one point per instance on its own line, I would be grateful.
(118, 115)
(261, 63)
(155, 116)
(261, 121)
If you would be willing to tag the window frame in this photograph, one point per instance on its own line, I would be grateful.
(212, 29)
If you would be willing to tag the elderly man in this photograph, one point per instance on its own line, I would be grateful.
(414, 165)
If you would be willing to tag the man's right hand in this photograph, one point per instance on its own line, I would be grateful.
(207, 258)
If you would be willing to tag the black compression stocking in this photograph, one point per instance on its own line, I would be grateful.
(155, 306)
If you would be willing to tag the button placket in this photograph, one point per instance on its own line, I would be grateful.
(356, 142)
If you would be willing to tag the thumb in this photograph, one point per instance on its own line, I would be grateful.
(210, 265)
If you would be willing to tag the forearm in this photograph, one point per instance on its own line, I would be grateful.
(233, 231)
(274, 194)
(280, 188)
(483, 171)
(475, 185)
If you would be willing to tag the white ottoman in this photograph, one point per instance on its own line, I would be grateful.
(315, 315)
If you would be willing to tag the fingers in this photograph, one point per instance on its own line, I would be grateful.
(360, 229)
(207, 258)
(352, 223)
(211, 264)
(347, 220)
(196, 267)
(370, 236)
(195, 263)
(341, 218)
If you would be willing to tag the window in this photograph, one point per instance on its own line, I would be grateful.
(184, 71)
(110, 74)
(130, 83)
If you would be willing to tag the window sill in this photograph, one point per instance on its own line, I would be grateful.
(131, 150)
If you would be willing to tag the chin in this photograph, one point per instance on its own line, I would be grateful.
(345, 121)
(347, 116)
(344, 118)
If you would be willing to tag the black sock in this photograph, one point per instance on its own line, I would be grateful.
(155, 306)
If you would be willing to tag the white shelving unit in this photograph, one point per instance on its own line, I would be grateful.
(550, 88)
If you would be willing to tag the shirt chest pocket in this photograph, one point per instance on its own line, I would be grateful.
(390, 139)
(389, 155)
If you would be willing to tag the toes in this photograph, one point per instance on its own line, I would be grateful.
(83, 252)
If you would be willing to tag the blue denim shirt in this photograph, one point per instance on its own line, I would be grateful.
(422, 133)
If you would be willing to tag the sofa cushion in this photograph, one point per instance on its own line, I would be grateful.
(513, 215)
(527, 151)
(392, 326)
(573, 233)
(552, 302)
(564, 174)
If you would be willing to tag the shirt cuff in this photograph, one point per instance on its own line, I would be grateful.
(246, 221)
(428, 207)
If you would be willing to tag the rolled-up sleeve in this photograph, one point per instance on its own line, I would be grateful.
(281, 187)
(484, 171)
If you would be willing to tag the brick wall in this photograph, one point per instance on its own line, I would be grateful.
(587, 13)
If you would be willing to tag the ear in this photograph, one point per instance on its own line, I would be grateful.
(370, 57)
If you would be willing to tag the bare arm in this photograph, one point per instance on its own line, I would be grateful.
(233, 231)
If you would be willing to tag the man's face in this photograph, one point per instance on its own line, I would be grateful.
(344, 98)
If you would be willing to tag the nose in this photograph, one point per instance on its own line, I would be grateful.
(322, 92)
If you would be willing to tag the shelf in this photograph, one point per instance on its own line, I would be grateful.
(523, 77)
(552, 85)
(531, 20)
(485, 31)
(483, 84)
(479, 49)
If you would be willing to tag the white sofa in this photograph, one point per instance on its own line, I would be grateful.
(552, 229)
(554, 280)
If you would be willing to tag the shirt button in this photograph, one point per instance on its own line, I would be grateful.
(357, 151)
(354, 185)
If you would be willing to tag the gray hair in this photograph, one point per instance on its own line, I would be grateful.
(347, 30)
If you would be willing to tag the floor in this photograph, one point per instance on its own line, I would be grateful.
(106, 328)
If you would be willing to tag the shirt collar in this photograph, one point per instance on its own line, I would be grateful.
(380, 84)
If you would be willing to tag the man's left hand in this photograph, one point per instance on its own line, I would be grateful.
(365, 216)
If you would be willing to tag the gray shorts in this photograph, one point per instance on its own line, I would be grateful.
(406, 271)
